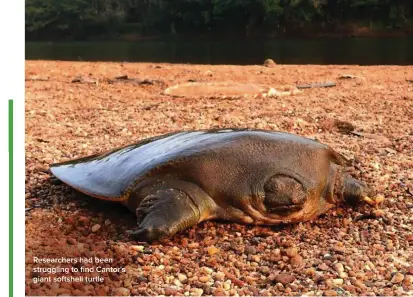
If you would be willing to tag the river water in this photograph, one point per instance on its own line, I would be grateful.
(361, 51)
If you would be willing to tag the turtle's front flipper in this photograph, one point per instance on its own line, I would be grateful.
(164, 213)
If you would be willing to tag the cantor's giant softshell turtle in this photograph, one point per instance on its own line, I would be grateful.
(177, 180)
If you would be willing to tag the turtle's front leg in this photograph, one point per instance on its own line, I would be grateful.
(164, 213)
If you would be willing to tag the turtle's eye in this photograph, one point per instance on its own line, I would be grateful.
(283, 194)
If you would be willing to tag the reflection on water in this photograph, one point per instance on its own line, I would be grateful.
(362, 51)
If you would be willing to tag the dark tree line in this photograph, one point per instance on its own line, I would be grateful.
(80, 19)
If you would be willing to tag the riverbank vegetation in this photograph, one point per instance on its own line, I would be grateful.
(107, 19)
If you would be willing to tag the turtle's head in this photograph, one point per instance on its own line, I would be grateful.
(355, 191)
(341, 187)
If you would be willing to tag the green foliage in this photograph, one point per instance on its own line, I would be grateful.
(87, 18)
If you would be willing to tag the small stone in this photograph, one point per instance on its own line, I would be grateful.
(338, 281)
(284, 278)
(212, 250)
(71, 240)
(218, 292)
(226, 286)
(378, 213)
(197, 292)
(339, 267)
(250, 250)
(182, 277)
(296, 261)
(323, 266)
(203, 278)
(121, 292)
(330, 293)
(269, 63)
(96, 228)
(343, 274)
(107, 222)
(170, 291)
(291, 252)
(193, 245)
(397, 278)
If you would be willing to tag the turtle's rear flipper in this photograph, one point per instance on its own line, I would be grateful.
(164, 213)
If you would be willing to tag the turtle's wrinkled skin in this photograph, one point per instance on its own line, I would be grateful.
(177, 180)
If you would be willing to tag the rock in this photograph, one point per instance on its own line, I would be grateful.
(182, 278)
(323, 266)
(330, 293)
(71, 240)
(170, 291)
(203, 278)
(297, 261)
(339, 267)
(397, 278)
(284, 278)
(390, 150)
(269, 63)
(250, 250)
(121, 291)
(218, 292)
(291, 252)
(212, 250)
(96, 228)
(196, 292)
(338, 281)
(193, 245)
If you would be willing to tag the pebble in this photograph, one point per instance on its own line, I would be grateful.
(182, 277)
(284, 278)
(96, 228)
(203, 278)
(291, 252)
(397, 278)
(226, 286)
(338, 281)
(121, 292)
(329, 293)
(196, 292)
(71, 240)
(250, 250)
(296, 261)
(323, 266)
(193, 245)
(339, 267)
(212, 250)
(170, 291)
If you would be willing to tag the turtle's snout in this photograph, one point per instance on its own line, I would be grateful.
(355, 191)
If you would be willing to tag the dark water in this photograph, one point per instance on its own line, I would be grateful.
(362, 51)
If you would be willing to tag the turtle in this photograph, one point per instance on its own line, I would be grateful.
(248, 176)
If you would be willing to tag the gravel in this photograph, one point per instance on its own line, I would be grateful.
(334, 255)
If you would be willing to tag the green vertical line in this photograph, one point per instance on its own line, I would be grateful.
(10, 198)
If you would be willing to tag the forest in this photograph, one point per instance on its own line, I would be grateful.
(107, 19)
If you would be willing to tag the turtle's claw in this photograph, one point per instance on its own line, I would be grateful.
(148, 235)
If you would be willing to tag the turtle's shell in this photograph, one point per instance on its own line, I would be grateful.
(112, 175)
